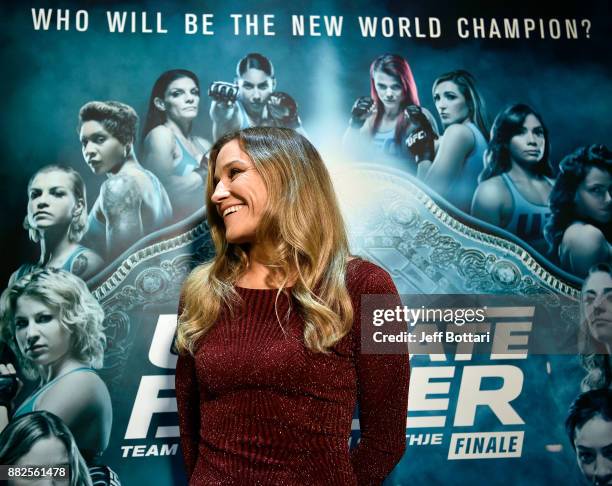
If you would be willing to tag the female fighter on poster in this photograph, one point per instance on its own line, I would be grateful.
(57, 221)
(515, 183)
(270, 363)
(595, 336)
(170, 150)
(42, 439)
(589, 429)
(453, 172)
(380, 120)
(54, 326)
(132, 202)
(579, 231)
(251, 101)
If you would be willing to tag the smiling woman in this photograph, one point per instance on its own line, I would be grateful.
(272, 326)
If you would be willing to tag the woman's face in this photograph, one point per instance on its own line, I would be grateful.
(389, 90)
(103, 153)
(597, 306)
(181, 99)
(240, 193)
(48, 451)
(51, 200)
(593, 196)
(40, 336)
(593, 444)
(527, 146)
(255, 88)
(450, 103)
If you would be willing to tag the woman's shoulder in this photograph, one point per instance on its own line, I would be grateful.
(203, 143)
(582, 233)
(87, 263)
(365, 277)
(583, 238)
(160, 133)
(85, 383)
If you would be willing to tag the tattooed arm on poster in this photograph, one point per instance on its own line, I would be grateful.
(120, 206)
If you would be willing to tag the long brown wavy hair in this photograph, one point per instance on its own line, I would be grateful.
(301, 233)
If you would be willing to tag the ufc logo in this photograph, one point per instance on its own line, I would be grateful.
(414, 137)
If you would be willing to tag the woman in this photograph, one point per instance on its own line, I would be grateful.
(589, 429)
(57, 220)
(595, 336)
(382, 119)
(54, 326)
(453, 173)
(270, 365)
(42, 439)
(252, 100)
(132, 202)
(579, 231)
(514, 185)
(170, 149)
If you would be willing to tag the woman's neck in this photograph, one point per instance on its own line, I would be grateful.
(180, 128)
(391, 115)
(55, 247)
(60, 368)
(520, 172)
(260, 276)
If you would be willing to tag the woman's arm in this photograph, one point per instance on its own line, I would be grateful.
(382, 397)
(457, 142)
(120, 201)
(584, 245)
(188, 402)
(491, 201)
(87, 264)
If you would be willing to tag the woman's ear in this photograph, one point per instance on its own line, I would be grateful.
(78, 208)
(159, 103)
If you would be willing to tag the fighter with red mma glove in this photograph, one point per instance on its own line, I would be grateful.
(420, 135)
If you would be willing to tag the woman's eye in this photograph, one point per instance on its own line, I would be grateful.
(586, 457)
(20, 323)
(234, 172)
(195, 92)
(44, 318)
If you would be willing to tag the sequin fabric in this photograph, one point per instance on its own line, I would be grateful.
(258, 408)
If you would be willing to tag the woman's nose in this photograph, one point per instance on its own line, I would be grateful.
(221, 192)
